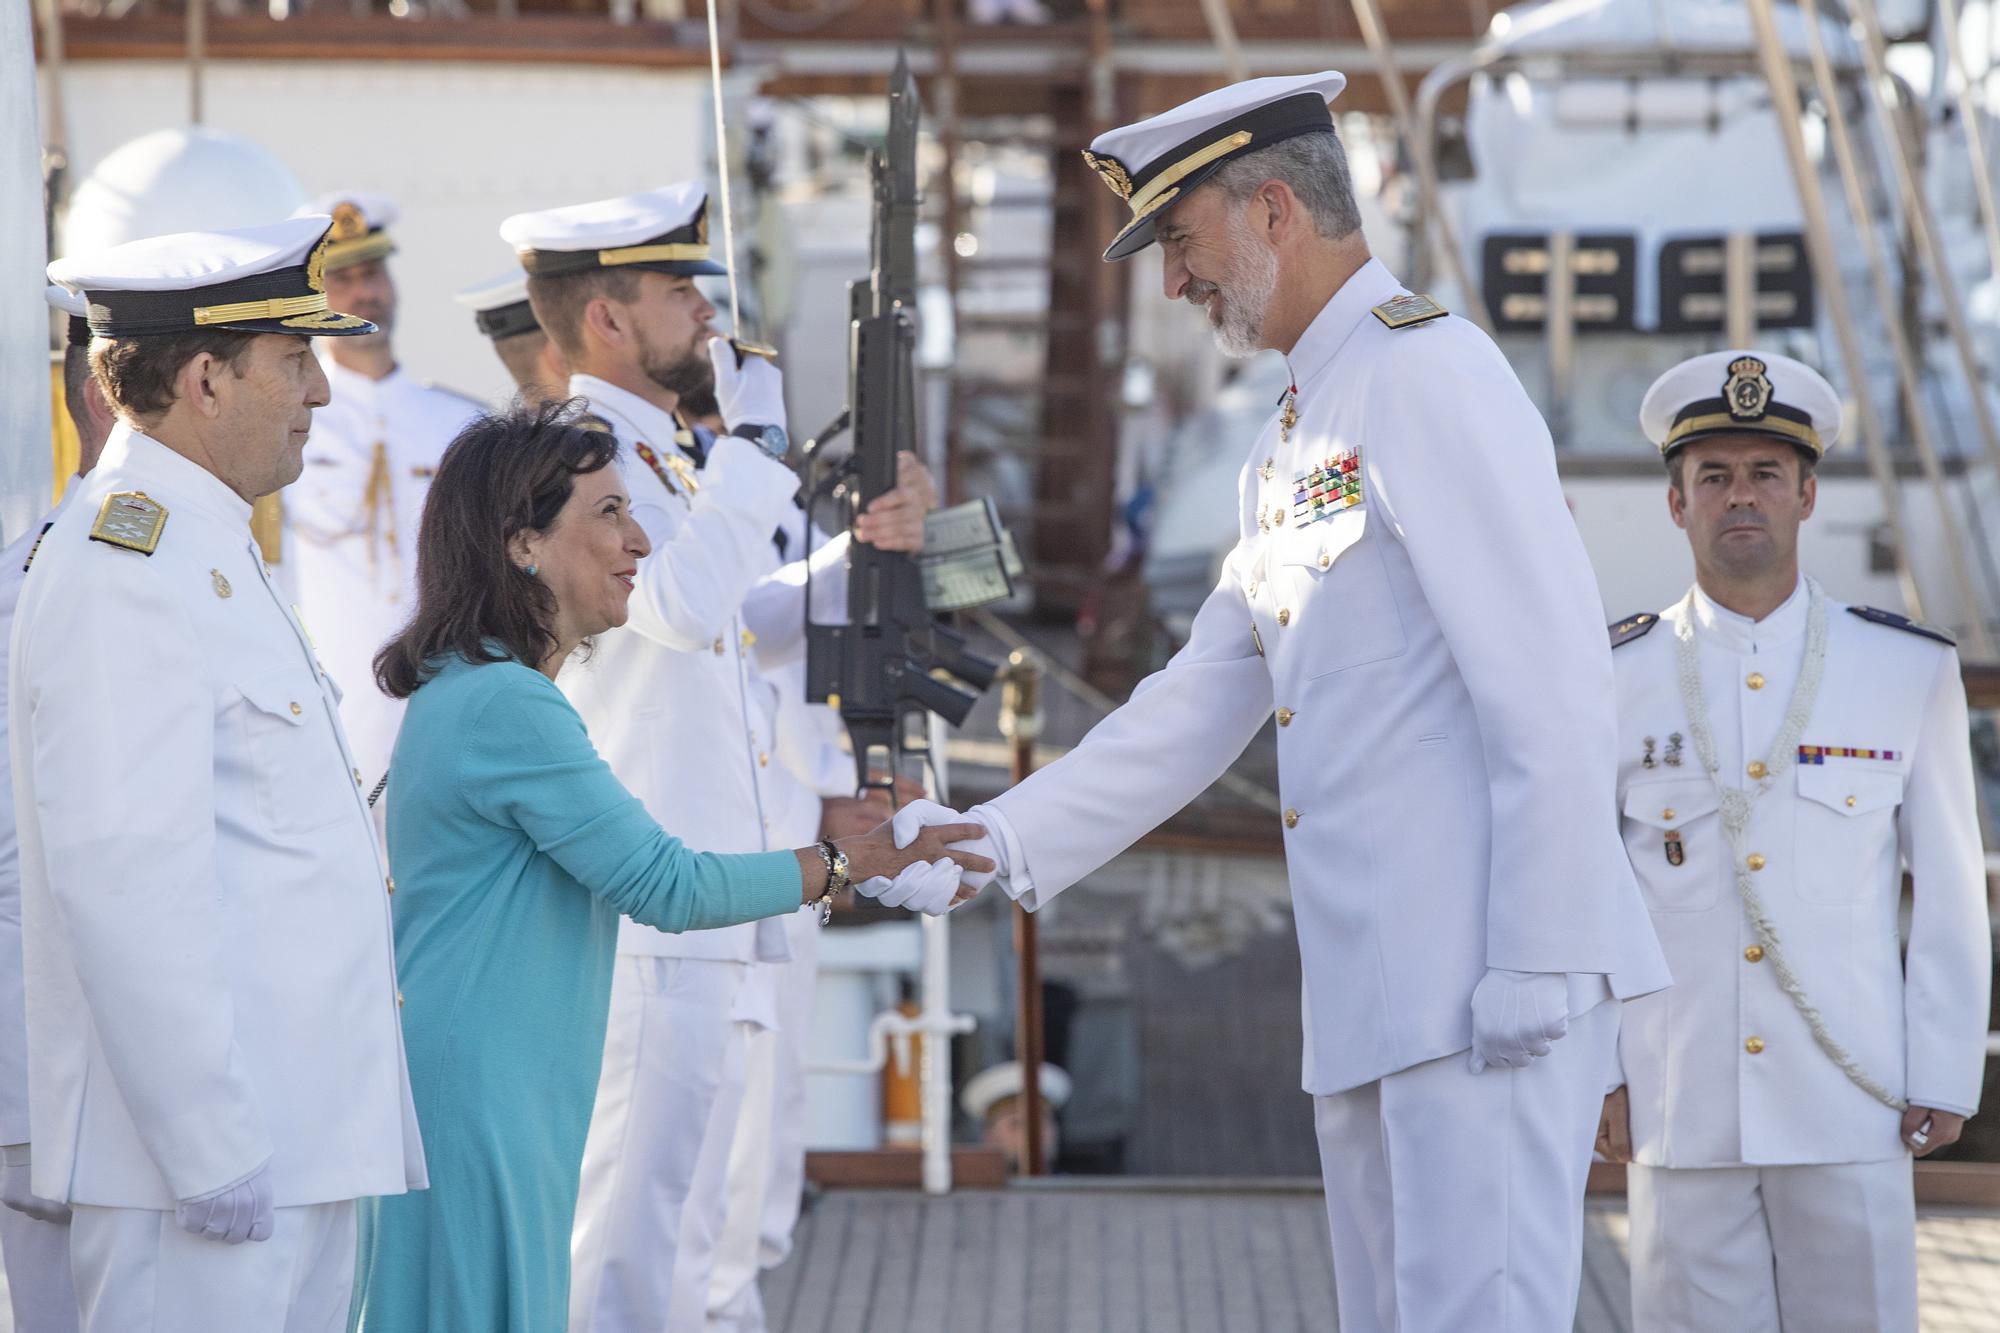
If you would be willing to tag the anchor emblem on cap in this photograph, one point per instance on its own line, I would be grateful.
(1748, 389)
(349, 223)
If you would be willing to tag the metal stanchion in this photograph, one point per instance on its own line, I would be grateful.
(1021, 723)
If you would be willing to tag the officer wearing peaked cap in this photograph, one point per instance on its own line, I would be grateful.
(1465, 913)
(214, 1049)
(501, 310)
(353, 513)
(1783, 758)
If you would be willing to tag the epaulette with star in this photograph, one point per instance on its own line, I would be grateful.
(1401, 312)
(1633, 627)
(131, 519)
(1904, 623)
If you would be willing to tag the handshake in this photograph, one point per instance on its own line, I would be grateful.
(928, 858)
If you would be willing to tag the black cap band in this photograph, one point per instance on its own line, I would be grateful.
(506, 321)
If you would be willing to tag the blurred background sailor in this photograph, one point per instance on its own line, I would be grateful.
(1783, 759)
(353, 513)
(215, 1052)
(992, 1097)
(502, 313)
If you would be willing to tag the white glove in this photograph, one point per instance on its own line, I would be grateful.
(15, 1192)
(1516, 1016)
(232, 1214)
(919, 815)
(927, 888)
(752, 394)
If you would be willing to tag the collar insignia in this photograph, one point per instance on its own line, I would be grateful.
(1113, 172)
(1747, 390)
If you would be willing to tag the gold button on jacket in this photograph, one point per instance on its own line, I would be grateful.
(1291, 819)
(1285, 716)
(1755, 860)
(1284, 616)
(1754, 954)
(1755, 1045)
(1757, 769)
(1755, 680)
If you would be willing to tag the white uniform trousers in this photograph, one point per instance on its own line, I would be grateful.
(39, 1286)
(137, 1272)
(734, 1303)
(650, 1201)
(1826, 1248)
(757, 1232)
(1456, 1199)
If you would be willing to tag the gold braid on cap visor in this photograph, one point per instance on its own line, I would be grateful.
(1156, 191)
(652, 254)
(1795, 431)
(277, 307)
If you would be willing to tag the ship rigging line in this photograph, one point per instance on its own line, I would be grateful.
(738, 327)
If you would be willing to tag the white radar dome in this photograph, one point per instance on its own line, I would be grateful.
(178, 180)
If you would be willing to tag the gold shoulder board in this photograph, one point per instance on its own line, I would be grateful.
(1400, 312)
(130, 519)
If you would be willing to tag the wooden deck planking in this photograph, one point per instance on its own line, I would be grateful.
(1120, 1258)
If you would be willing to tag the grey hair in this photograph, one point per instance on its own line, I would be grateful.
(1313, 165)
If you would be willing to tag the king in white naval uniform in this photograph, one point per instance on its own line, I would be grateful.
(1411, 599)
(215, 1055)
(353, 513)
(670, 701)
(1783, 758)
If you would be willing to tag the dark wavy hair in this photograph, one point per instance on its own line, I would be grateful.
(508, 472)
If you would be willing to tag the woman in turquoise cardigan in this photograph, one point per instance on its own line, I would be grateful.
(513, 852)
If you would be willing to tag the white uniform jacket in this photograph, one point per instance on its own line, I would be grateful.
(354, 514)
(1443, 692)
(1834, 836)
(13, 999)
(210, 971)
(667, 698)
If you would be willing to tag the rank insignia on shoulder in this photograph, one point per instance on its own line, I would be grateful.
(1400, 312)
(131, 519)
(1327, 488)
(1633, 627)
(1904, 623)
(589, 422)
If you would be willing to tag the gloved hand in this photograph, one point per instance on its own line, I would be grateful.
(15, 1192)
(1516, 1016)
(919, 815)
(752, 394)
(232, 1214)
(930, 888)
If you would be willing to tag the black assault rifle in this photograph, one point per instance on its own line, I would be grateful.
(890, 660)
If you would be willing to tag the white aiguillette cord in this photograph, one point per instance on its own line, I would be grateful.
(1737, 804)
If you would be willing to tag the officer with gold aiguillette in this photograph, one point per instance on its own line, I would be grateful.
(1784, 758)
(354, 511)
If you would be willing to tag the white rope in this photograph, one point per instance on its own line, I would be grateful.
(737, 329)
(1737, 804)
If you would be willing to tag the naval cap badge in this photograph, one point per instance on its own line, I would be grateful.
(1748, 389)
(1113, 172)
(349, 222)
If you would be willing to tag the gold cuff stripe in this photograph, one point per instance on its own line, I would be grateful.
(278, 307)
(1142, 199)
(1769, 425)
(651, 254)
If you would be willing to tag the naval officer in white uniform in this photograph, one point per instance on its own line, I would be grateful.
(669, 700)
(215, 1054)
(34, 1232)
(353, 513)
(1783, 759)
(1411, 599)
(501, 310)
